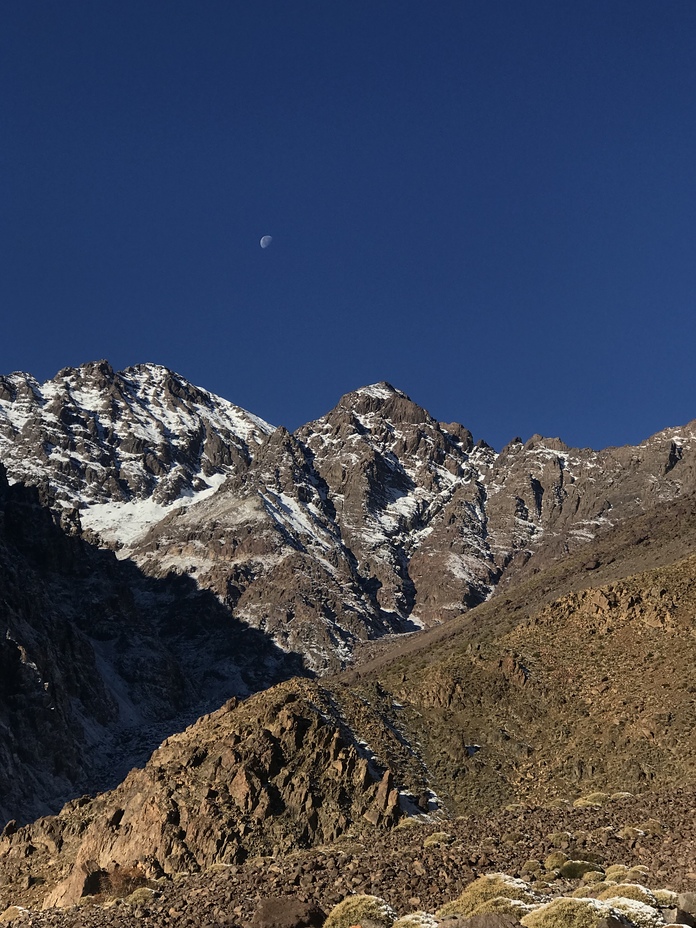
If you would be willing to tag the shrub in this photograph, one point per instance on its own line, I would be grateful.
(616, 872)
(567, 913)
(502, 905)
(652, 827)
(532, 866)
(598, 799)
(555, 860)
(593, 876)
(558, 804)
(360, 909)
(622, 795)
(592, 890)
(574, 869)
(482, 890)
(409, 821)
(438, 839)
(140, 896)
(630, 891)
(416, 920)
(666, 897)
(560, 838)
(637, 874)
(641, 914)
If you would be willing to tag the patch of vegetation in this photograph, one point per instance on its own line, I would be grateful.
(594, 799)
(555, 860)
(593, 876)
(359, 909)
(439, 839)
(485, 888)
(617, 872)
(502, 905)
(567, 912)
(575, 869)
(416, 920)
(641, 914)
(630, 891)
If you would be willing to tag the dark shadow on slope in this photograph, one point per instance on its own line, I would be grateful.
(99, 662)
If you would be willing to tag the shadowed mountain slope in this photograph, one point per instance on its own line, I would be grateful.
(98, 662)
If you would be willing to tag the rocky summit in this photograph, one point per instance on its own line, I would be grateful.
(372, 659)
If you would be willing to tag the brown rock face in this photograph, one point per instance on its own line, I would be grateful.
(377, 519)
(268, 776)
(98, 662)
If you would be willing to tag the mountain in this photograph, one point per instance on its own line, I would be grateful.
(96, 439)
(98, 662)
(374, 519)
(557, 717)
(409, 624)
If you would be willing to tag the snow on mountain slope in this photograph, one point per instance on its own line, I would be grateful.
(122, 446)
(370, 520)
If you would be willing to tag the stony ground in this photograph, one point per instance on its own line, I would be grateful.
(418, 866)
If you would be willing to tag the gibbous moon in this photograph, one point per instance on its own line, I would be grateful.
(265, 241)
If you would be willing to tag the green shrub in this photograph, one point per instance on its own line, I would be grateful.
(140, 896)
(416, 920)
(410, 822)
(630, 891)
(502, 905)
(593, 876)
(666, 897)
(567, 912)
(560, 838)
(641, 914)
(360, 909)
(636, 874)
(616, 872)
(532, 866)
(555, 860)
(575, 869)
(592, 890)
(597, 799)
(652, 827)
(438, 839)
(482, 890)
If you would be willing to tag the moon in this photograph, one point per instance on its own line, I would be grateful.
(265, 241)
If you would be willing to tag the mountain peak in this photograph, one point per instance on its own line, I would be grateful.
(380, 390)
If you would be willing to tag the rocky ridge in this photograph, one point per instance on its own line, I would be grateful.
(571, 683)
(374, 519)
(98, 662)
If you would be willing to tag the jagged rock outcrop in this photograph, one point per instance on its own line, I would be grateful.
(92, 435)
(98, 662)
(273, 774)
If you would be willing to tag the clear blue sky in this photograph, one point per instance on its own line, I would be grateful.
(490, 204)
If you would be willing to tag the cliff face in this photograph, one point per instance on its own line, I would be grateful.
(98, 662)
